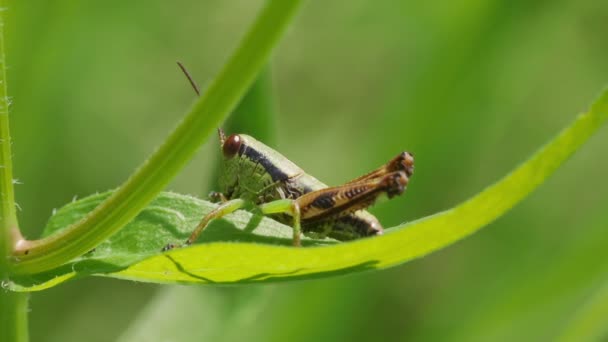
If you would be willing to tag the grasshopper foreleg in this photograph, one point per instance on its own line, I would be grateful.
(219, 212)
(217, 197)
(275, 207)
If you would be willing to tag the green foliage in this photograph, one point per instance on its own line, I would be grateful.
(471, 88)
(134, 253)
(141, 188)
(25, 258)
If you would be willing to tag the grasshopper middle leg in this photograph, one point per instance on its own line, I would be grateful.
(222, 210)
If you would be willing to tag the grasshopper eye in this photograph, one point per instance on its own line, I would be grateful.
(231, 146)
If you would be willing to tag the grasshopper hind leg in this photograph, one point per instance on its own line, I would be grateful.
(339, 209)
(404, 161)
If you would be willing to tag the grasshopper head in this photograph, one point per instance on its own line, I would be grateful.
(231, 146)
(230, 163)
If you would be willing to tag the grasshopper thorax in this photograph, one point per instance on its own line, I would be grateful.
(254, 171)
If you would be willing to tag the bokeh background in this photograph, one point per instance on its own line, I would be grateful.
(473, 87)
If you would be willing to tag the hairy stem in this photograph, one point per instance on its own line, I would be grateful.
(13, 306)
(13, 316)
(8, 215)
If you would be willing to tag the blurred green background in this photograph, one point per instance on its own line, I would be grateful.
(472, 87)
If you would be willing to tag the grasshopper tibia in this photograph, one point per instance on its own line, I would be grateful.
(404, 161)
(286, 206)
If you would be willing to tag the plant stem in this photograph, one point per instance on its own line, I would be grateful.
(13, 316)
(9, 214)
(255, 115)
(143, 186)
(13, 306)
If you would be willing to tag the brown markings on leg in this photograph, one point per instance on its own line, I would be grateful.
(404, 161)
(338, 201)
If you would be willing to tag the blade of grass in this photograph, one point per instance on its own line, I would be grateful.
(143, 186)
(13, 306)
(589, 322)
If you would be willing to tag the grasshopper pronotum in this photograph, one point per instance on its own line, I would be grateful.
(254, 173)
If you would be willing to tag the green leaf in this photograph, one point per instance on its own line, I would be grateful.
(170, 218)
(243, 249)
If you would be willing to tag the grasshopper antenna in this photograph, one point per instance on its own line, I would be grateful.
(221, 135)
(192, 83)
(220, 132)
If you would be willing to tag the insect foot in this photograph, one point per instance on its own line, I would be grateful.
(169, 247)
(404, 161)
(395, 183)
(217, 197)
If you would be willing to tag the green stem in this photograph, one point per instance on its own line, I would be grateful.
(143, 186)
(13, 316)
(13, 306)
(9, 214)
(255, 115)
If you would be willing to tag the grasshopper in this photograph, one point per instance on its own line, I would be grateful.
(253, 173)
